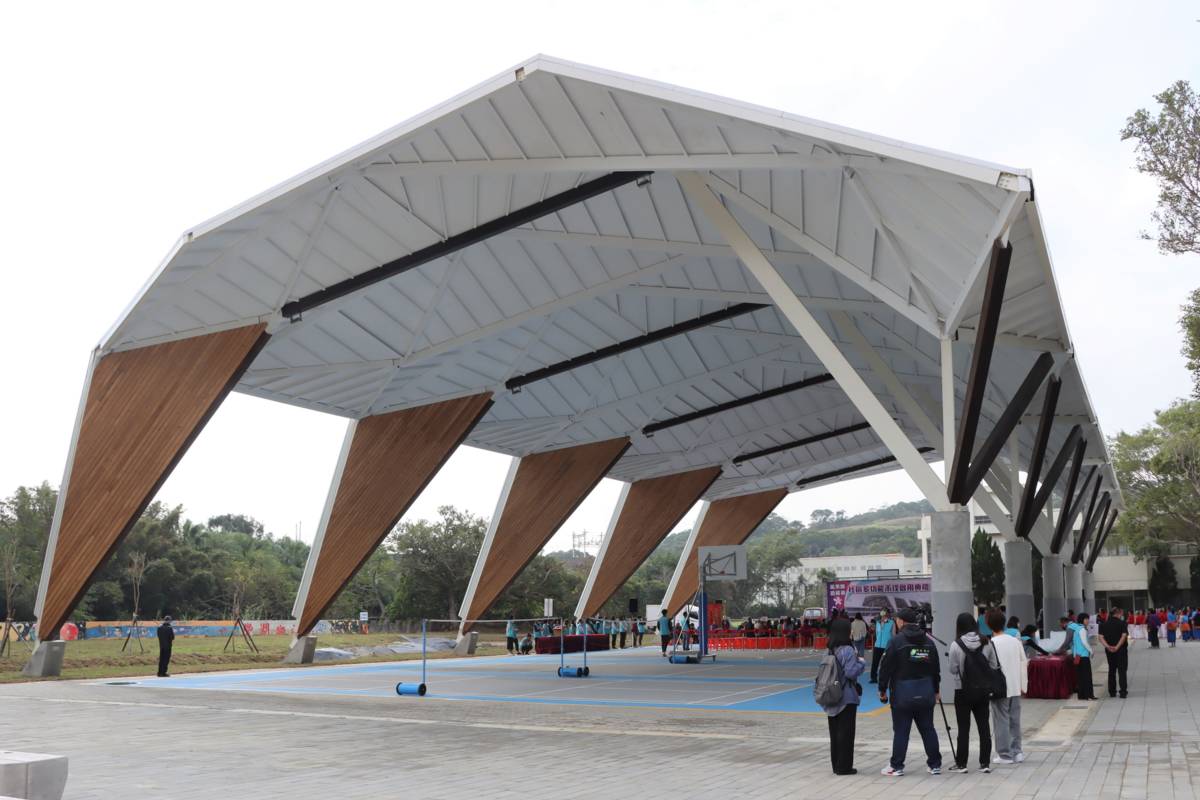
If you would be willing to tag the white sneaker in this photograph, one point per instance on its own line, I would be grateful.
(985, 768)
(895, 773)
(1002, 760)
(934, 770)
(1019, 757)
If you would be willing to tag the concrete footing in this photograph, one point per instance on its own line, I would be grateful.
(1054, 597)
(47, 660)
(303, 650)
(950, 561)
(466, 644)
(1018, 581)
(35, 776)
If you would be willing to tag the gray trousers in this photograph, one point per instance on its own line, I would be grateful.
(1006, 726)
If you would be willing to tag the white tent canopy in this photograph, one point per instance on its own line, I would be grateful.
(886, 243)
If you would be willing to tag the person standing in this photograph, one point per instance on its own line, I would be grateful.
(664, 631)
(640, 632)
(1115, 633)
(968, 670)
(1007, 654)
(1172, 622)
(510, 635)
(910, 673)
(624, 623)
(166, 640)
(858, 635)
(1082, 652)
(884, 628)
(843, 714)
(1152, 629)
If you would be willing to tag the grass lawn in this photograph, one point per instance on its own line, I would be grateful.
(102, 658)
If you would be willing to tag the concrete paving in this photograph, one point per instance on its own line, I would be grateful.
(175, 742)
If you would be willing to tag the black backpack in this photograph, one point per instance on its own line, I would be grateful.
(980, 679)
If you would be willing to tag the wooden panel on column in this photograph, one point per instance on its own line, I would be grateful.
(143, 409)
(392, 457)
(652, 507)
(728, 521)
(546, 489)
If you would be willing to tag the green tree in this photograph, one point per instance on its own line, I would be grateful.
(1164, 584)
(987, 570)
(436, 558)
(1167, 146)
(1159, 471)
(25, 519)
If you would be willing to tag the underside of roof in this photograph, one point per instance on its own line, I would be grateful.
(883, 241)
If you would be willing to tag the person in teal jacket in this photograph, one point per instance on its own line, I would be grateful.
(884, 628)
(510, 633)
(664, 631)
(1082, 653)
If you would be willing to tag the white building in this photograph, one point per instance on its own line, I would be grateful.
(852, 566)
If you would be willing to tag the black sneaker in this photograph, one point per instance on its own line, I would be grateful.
(986, 768)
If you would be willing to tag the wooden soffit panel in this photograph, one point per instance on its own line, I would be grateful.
(143, 409)
(545, 491)
(728, 521)
(652, 507)
(392, 457)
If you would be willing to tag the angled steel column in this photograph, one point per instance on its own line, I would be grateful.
(817, 339)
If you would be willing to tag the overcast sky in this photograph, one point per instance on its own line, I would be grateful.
(125, 124)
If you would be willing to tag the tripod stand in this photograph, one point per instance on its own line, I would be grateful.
(135, 632)
(238, 625)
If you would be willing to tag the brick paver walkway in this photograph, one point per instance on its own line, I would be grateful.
(131, 742)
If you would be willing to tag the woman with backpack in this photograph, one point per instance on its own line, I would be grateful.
(969, 674)
(840, 670)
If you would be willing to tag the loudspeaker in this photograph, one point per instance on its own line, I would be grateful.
(633, 605)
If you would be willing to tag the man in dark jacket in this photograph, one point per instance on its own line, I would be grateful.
(911, 674)
(1115, 633)
(166, 638)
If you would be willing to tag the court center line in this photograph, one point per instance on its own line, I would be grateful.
(760, 688)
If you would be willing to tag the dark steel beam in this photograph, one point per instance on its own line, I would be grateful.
(459, 241)
(858, 467)
(1025, 519)
(1089, 520)
(702, 321)
(1100, 542)
(820, 437)
(1071, 500)
(981, 361)
(691, 416)
(1090, 526)
(1005, 425)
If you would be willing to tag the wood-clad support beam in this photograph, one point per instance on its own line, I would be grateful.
(141, 410)
(386, 461)
(977, 380)
(721, 522)
(824, 348)
(541, 491)
(645, 514)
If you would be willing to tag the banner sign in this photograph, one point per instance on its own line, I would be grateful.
(870, 596)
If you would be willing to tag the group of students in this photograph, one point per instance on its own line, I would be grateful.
(988, 669)
(623, 632)
(1183, 623)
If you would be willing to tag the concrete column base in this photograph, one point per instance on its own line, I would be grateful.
(36, 776)
(303, 650)
(950, 560)
(1018, 581)
(1054, 598)
(47, 660)
(1074, 576)
(465, 646)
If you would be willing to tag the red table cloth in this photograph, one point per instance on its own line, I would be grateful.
(571, 644)
(1051, 678)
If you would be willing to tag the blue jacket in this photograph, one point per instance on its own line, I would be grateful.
(664, 626)
(883, 633)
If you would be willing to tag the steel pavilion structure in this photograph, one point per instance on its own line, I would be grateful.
(603, 276)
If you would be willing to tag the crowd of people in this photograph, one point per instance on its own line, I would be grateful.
(622, 631)
(988, 670)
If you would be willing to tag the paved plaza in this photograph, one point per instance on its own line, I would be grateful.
(181, 739)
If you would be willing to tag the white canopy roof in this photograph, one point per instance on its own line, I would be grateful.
(895, 236)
